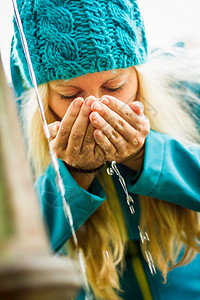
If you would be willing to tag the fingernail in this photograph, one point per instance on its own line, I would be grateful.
(56, 127)
(141, 106)
(90, 100)
(94, 117)
(104, 100)
(78, 102)
(99, 132)
(97, 106)
(137, 105)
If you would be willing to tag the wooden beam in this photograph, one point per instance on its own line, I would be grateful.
(27, 269)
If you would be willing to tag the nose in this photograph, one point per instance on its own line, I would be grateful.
(95, 94)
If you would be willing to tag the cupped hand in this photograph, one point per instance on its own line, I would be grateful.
(73, 138)
(121, 128)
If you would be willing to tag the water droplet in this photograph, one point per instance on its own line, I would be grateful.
(110, 171)
(129, 199)
(132, 210)
(150, 262)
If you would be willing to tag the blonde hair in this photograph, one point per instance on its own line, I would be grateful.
(169, 226)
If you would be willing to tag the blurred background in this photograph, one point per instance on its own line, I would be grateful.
(167, 22)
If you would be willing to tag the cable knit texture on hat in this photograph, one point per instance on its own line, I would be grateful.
(69, 38)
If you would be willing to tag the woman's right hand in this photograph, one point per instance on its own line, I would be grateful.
(72, 138)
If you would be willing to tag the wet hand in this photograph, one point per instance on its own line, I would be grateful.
(121, 128)
(73, 138)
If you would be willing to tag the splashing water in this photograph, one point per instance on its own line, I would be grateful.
(54, 159)
(143, 235)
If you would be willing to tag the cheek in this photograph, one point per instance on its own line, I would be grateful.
(129, 94)
(131, 91)
(58, 106)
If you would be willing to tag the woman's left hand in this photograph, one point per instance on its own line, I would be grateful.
(121, 130)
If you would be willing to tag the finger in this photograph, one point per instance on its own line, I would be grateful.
(80, 126)
(137, 107)
(106, 146)
(67, 123)
(89, 141)
(117, 140)
(123, 110)
(53, 129)
(99, 155)
(111, 119)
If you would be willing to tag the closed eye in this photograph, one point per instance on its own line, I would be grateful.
(114, 89)
(69, 97)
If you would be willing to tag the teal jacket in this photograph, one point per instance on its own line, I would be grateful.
(170, 172)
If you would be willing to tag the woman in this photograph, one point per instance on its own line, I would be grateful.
(89, 59)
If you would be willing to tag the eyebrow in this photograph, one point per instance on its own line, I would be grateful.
(111, 79)
(62, 85)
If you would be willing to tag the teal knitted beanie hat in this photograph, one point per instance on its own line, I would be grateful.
(69, 38)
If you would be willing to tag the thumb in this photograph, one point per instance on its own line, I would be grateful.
(53, 129)
(137, 107)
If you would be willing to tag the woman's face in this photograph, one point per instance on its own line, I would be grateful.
(122, 84)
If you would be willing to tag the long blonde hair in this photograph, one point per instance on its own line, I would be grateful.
(169, 226)
(168, 107)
